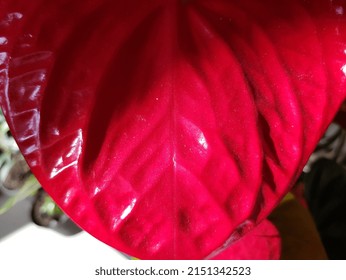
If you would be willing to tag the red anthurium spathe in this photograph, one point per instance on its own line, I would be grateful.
(262, 243)
(169, 129)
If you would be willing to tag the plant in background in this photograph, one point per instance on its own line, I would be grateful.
(18, 183)
(16, 180)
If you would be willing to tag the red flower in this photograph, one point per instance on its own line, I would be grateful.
(168, 129)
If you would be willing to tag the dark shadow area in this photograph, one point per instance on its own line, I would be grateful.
(325, 191)
(121, 85)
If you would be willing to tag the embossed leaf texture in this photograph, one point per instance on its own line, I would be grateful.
(169, 129)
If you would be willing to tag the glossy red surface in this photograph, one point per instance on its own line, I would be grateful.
(166, 128)
(262, 243)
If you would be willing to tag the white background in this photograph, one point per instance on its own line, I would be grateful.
(28, 251)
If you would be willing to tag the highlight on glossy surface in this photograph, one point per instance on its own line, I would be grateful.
(166, 128)
(262, 243)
